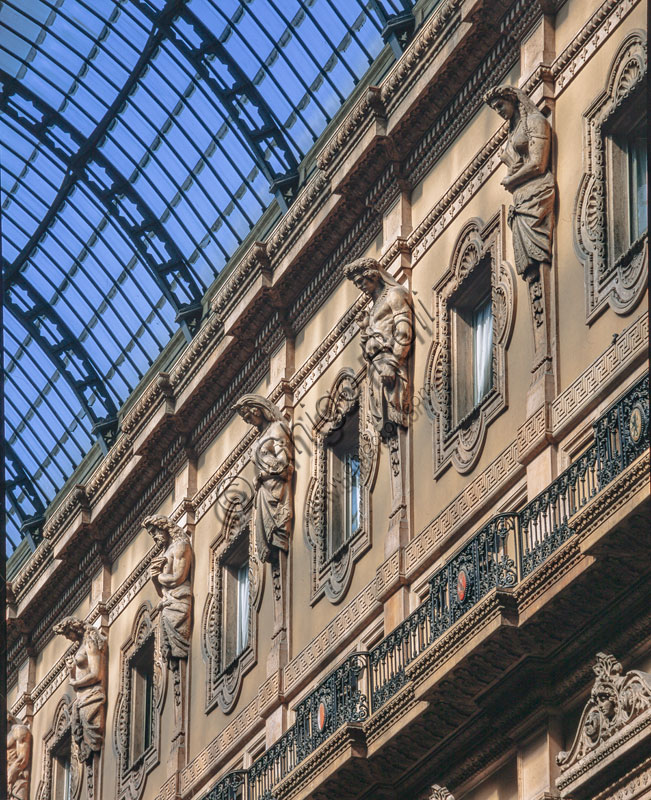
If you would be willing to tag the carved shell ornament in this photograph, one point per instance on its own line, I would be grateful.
(616, 702)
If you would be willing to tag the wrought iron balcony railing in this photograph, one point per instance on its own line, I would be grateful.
(500, 555)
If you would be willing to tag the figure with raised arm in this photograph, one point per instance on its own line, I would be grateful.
(87, 671)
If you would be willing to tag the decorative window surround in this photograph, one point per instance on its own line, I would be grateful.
(54, 739)
(331, 573)
(478, 247)
(132, 774)
(224, 680)
(615, 279)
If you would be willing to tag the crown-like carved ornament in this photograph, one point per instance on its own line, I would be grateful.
(440, 793)
(617, 714)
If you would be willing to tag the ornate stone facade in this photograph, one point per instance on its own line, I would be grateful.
(445, 638)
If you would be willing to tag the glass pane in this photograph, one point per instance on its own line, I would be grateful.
(482, 350)
(638, 185)
(242, 608)
(352, 494)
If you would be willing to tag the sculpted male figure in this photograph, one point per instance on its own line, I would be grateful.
(19, 748)
(170, 572)
(386, 333)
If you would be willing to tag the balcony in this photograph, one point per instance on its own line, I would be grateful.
(502, 556)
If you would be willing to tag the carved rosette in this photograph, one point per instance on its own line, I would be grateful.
(620, 282)
(478, 247)
(61, 729)
(132, 777)
(224, 681)
(616, 718)
(331, 576)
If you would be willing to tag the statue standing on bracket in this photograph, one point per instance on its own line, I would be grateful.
(273, 457)
(87, 671)
(170, 573)
(531, 217)
(386, 333)
(19, 749)
(386, 336)
(528, 178)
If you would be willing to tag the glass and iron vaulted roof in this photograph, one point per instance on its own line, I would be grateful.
(141, 141)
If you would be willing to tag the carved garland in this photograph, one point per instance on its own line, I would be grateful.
(332, 576)
(619, 282)
(476, 246)
(224, 681)
(132, 776)
(61, 728)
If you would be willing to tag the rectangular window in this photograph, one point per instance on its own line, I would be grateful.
(142, 700)
(62, 777)
(236, 601)
(343, 483)
(472, 343)
(627, 181)
(638, 182)
(242, 607)
(482, 350)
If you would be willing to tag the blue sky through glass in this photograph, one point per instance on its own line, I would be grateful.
(137, 152)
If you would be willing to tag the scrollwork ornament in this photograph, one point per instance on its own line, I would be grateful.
(618, 701)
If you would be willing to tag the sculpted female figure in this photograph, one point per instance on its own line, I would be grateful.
(170, 573)
(87, 671)
(273, 457)
(528, 177)
(386, 334)
(274, 464)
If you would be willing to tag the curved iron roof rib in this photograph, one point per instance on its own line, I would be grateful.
(141, 142)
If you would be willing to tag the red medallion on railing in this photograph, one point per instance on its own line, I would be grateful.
(462, 585)
(321, 716)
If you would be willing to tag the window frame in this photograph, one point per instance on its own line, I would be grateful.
(477, 269)
(615, 268)
(332, 567)
(142, 645)
(225, 669)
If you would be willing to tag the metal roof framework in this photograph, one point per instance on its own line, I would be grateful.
(141, 142)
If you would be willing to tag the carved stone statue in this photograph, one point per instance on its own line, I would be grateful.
(273, 458)
(386, 333)
(613, 723)
(87, 671)
(19, 749)
(531, 218)
(528, 177)
(170, 573)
